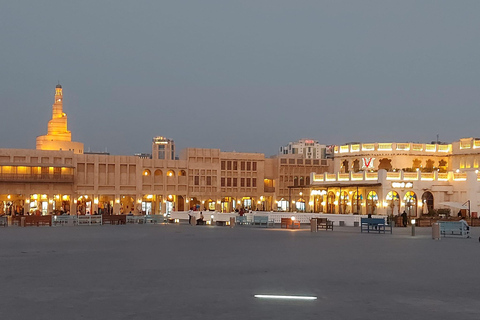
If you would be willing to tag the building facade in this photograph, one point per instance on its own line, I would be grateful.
(307, 148)
(388, 178)
(59, 176)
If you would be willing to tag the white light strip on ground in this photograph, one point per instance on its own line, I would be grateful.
(267, 296)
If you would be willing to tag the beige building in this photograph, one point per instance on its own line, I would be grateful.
(59, 177)
(388, 178)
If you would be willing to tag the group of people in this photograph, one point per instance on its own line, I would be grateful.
(198, 219)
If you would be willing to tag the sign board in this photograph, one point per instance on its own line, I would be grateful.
(402, 185)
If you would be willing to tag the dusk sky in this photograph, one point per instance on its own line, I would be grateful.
(241, 75)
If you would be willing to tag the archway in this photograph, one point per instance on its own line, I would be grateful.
(283, 205)
(300, 205)
(331, 202)
(357, 201)
(410, 203)
(343, 202)
(372, 201)
(180, 203)
(393, 200)
(427, 202)
(158, 176)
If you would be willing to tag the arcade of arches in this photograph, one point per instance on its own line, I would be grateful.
(368, 201)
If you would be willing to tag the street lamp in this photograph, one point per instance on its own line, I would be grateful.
(413, 227)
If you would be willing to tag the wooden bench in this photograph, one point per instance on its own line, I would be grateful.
(377, 225)
(454, 228)
(288, 223)
(114, 219)
(324, 223)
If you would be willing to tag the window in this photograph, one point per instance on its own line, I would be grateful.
(229, 165)
(161, 152)
(254, 182)
(242, 182)
(197, 180)
(249, 165)
(242, 165)
(234, 165)
(254, 166)
(234, 182)
(283, 161)
(223, 165)
(222, 182)
(229, 182)
(209, 181)
(315, 162)
(248, 182)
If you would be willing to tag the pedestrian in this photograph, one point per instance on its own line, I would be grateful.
(404, 218)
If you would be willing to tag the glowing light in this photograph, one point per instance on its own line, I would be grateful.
(8, 197)
(293, 218)
(413, 221)
(268, 296)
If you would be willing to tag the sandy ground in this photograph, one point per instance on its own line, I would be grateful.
(203, 272)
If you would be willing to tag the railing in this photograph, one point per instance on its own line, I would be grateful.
(269, 189)
(36, 177)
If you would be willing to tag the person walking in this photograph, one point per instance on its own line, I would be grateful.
(404, 218)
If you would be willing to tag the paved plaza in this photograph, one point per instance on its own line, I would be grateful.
(204, 272)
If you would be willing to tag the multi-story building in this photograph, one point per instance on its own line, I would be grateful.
(59, 177)
(307, 148)
(388, 178)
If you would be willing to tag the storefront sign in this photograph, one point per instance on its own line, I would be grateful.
(402, 185)
(318, 192)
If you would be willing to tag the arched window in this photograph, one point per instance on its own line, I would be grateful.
(372, 200)
(393, 200)
(427, 202)
(295, 181)
(331, 202)
(158, 176)
(343, 202)
(357, 200)
(410, 203)
(171, 173)
(146, 172)
(182, 173)
(302, 181)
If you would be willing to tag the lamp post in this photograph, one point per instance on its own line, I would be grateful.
(413, 227)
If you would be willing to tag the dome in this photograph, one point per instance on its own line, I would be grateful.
(59, 86)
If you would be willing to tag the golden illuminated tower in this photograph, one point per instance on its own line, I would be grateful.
(58, 137)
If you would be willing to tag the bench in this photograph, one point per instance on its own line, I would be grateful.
(324, 223)
(84, 220)
(241, 220)
(262, 220)
(3, 221)
(288, 223)
(114, 219)
(135, 219)
(156, 218)
(374, 224)
(64, 220)
(454, 228)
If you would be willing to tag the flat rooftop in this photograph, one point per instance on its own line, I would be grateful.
(205, 272)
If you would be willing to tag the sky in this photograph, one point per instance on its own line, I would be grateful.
(247, 76)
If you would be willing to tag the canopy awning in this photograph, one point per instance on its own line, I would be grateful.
(457, 205)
